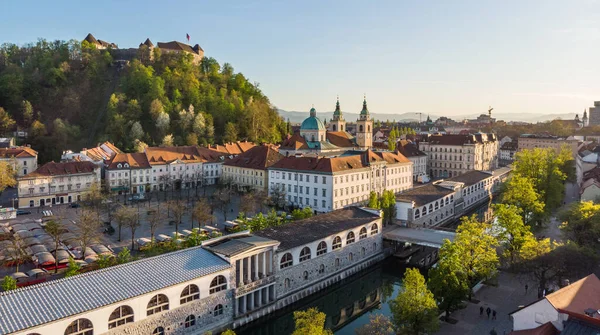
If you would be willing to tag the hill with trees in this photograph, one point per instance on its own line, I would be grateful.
(70, 95)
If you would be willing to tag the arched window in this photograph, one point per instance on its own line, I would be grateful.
(334, 127)
(286, 261)
(437, 206)
(304, 254)
(322, 268)
(218, 310)
(190, 293)
(350, 238)
(158, 331)
(374, 229)
(120, 316)
(430, 208)
(446, 201)
(417, 213)
(369, 128)
(363, 233)
(350, 257)
(190, 321)
(219, 283)
(157, 304)
(360, 128)
(80, 327)
(321, 248)
(337, 243)
(424, 210)
(305, 275)
(337, 262)
(286, 283)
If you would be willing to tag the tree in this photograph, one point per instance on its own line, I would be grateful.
(228, 332)
(278, 196)
(414, 310)
(231, 133)
(300, 214)
(154, 219)
(310, 321)
(15, 254)
(581, 223)
(88, 229)
(475, 249)
(167, 141)
(124, 256)
(105, 261)
(156, 108)
(27, 112)
(177, 207)
(202, 212)
(519, 192)
(6, 121)
(137, 132)
(513, 231)
(388, 205)
(373, 200)
(379, 324)
(72, 269)
(9, 283)
(123, 215)
(448, 284)
(7, 176)
(94, 197)
(56, 230)
(248, 203)
(133, 223)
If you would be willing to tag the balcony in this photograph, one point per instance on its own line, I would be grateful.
(242, 290)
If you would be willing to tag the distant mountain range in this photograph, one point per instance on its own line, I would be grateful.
(297, 117)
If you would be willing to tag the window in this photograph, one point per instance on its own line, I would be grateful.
(350, 257)
(324, 180)
(80, 327)
(218, 310)
(363, 233)
(316, 190)
(322, 269)
(286, 261)
(120, 316)
(337, 243)
(304, 254)
(158, 331)
(337, 262)
(363, 251)
(324, 192)
(219, 283)
(374, 229)
(305, 275)
(190, 321)
(157, 304)
(286, 283)
(321, 248)
(350, 238)
(190, 293)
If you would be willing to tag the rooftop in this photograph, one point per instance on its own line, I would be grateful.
(452, 139)
(136, 160)
(234, 245)
(258, 158)
(426, 237)
(409, 149)
(18, 152)
(578, 296)
(65, 168)
(424, 194)
(50, 301)
(318, 227)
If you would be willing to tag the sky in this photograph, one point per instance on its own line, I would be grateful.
(437, 57)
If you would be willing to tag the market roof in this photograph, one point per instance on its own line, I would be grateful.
(426, 237)
(232, 245)
(471, 177)
(318, 227)
(424, 194)
(50, 301)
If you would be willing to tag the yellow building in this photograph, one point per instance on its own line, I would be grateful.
(250, 168)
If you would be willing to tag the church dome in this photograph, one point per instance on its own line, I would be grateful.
(312, 122)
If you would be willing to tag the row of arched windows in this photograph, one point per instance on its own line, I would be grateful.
(158, 303)
(434, 206)
(287, 259)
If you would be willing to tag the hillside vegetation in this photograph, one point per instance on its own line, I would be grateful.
(69, 95)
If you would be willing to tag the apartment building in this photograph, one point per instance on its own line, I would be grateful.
(411, 151)
(453, 155)
(57, 183)
(532, 141)
(22, 159)
(249, 169)
(130, 173)
(330, 183)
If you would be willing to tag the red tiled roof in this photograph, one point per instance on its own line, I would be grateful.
(66, 168)
(336, 164)
(578, 296)
(259, 158)
(163, 155)
(341, 139)
(545, 329)
(18, 152)
(174, 45)
(295, 142)
(409, 148)
(137, 160)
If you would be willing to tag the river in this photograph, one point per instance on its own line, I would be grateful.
(349, 303)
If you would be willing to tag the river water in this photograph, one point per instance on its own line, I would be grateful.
(349, 303)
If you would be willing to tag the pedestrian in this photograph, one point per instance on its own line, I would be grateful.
(526, 287)
(494, 315)
(480, 311)
(488, 311)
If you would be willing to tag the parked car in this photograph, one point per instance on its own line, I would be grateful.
(75, 205)
(23, 212)
(137, 197)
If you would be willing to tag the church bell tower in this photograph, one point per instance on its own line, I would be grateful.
(337, 123)
(364, 128)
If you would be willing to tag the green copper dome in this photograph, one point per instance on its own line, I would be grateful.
(364, 110)
(312, 122)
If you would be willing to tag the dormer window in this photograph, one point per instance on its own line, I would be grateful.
(126, 165)
(119, 166)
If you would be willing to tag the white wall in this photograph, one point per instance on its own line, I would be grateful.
(534, 315)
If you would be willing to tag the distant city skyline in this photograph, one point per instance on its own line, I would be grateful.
(442, 58)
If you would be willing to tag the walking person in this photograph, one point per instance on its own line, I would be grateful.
(488, 311)
(480, 311)
(494, 315)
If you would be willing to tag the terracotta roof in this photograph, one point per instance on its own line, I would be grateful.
(259, 158)
(66, 168)
(112, 147)
(592, 174)
(232, 148)
(174, 45)
(578, 296)
(91, 39)
(354, 160)
(545, 329)
(341, 139)
(295, 142)
(409, 148)
(148, 43)
(163, 155)
(137, 160)
(18, 152)
(211, 156)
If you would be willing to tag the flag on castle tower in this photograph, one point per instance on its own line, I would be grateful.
(188, 37)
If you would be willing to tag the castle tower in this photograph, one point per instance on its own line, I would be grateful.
(337, 123)
(584, 120)
(364, 128)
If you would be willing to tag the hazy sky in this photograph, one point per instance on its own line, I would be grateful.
(439, 57)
